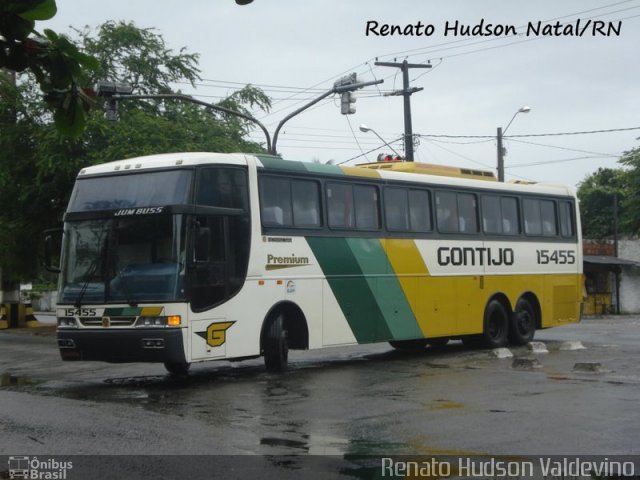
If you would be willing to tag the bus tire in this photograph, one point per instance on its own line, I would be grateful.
(522, 325)
(409, 345)
(276, 348)
(496, 325)
(178, 369)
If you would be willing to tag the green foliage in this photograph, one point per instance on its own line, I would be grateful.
(38, 165)
(58, 65)
(631, 160)
(597, 193)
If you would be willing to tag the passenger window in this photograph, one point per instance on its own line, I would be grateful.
(566, 219)
(420, 211)
(222, 187)
(532, 222)
(540, 217)
(491, 214)
(447, 211)
(396, 209)
(500, 215)
(366, 202)
(275, 196)
(306, 203)
(467, 216)
(548, 216)
(510, 223)
(340, 205)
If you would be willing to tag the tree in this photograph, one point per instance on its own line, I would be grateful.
(38, 165)
(57, 65)
(597, 194)
(631, 203)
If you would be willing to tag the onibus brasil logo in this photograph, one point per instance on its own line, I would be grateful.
(32, 468)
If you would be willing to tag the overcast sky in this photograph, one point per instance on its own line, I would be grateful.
(476, 84)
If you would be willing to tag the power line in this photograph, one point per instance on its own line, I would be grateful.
(553, 134)
(565, 148)
(549, 162)
(370, 151)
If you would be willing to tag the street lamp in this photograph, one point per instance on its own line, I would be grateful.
(501, 150)
(365, 129)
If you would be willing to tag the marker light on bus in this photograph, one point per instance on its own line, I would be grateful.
(170, 321)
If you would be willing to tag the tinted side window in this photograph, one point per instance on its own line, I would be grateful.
(447, 211)
(510, 223)
(532, 222)
(548, 217)
(306, 203)
(467, 215)
(275, 196)
(340, 205)
(366, 202)
(500, 215)
(420, 211)
(222, 187)
(540, 217)
(566, 219)
(491, 214)
(396, 209)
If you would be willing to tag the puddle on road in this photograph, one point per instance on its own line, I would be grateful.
(443, 404)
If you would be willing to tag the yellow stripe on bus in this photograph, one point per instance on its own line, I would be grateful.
(409, 268)
(360, 172)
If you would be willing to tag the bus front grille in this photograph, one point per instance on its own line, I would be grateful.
(113, 321)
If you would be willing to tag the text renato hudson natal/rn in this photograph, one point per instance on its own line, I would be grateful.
(576, 28)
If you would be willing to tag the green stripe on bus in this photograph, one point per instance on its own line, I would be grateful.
(275, 163)
(386, 288)
(323, 168)
(355, 297)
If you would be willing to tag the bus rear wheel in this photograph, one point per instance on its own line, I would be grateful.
(177, 369)
(276, 347)
(522, 326)
(496, 325)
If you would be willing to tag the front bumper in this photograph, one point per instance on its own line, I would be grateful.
(122, 345)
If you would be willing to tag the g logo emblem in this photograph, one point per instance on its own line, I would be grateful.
(217, 333)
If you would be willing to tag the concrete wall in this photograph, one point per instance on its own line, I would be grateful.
(629, 249)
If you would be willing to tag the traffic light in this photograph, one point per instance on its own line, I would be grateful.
(347, 103)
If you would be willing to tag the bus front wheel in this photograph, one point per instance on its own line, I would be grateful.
(496, 325)
(522, 326)
(276, 347)
(177, 368)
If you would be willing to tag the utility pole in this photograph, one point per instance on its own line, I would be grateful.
(406, 92)
(500, 156)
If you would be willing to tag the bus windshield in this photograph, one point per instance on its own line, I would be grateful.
(127, 259)
(131, 190)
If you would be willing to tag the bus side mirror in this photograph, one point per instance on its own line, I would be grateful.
(201, 244)
(52, 248)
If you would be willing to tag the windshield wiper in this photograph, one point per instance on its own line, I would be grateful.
(94, 268)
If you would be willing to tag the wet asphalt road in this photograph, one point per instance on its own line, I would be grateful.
(341, 401)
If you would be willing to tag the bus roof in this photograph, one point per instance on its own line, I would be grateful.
(273, 163)
(165, 160)
(410, 175)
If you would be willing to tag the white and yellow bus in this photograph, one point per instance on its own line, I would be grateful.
(189, 257)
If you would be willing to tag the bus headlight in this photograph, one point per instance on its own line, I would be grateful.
(67, 322)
